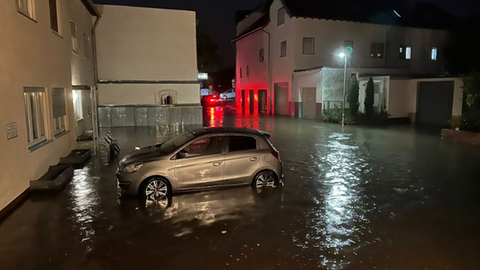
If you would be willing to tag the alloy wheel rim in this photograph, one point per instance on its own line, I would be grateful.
(156, 190)
(265, 180)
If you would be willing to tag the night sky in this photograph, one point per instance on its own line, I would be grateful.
(217, 17)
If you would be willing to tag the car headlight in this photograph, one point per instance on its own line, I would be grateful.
(133, 168)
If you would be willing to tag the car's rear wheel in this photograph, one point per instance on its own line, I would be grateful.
(265, 179)
(156, 189)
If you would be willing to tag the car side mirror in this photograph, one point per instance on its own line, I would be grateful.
(182, 154)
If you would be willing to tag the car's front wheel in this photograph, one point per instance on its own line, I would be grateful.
(156, 189)
(265, 179)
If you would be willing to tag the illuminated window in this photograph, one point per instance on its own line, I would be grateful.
(434, 53)
(377, 50)
(54, 15)
(26, 7)
(73, 30)
(281, 16)
(308, 45)
(59, 110)
(405, 52)
(262, 55)
(408, 53)
(283, 49)
(34, 99)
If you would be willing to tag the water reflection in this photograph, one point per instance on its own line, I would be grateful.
(189, 211)
(85, 206)
(339, 220)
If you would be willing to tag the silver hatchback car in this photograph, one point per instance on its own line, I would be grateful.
(201, 159)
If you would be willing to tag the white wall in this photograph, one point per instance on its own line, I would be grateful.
(308, 79)
(33, 56)
(146, 44)
(144, 94)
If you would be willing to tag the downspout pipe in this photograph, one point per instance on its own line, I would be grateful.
(96, 123)
(270, 88)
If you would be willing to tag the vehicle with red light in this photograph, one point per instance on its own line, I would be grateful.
(211, 101)
(202, 159)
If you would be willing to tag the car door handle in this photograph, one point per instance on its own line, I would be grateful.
(253, 159)
(216, 164)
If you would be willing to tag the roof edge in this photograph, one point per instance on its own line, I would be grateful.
(91, 8)
(249, 33)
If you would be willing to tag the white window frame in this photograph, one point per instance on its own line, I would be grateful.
(434, 55)
(86, 46)
(281, 14)
(306, 52)
(73, 26)
(283, 49)
(26, 8)
(77, 104)
(35, 115)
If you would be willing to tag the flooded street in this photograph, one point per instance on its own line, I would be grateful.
(358, 198)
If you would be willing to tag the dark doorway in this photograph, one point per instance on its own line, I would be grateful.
(243, 101)
(262, 100)
(435, 103)
(252, 101)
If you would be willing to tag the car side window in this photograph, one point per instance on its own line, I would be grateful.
(202, 147)
(241, 143)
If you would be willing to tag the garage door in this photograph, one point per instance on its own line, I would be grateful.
(309, 102)
(281, 98)
(435, 102)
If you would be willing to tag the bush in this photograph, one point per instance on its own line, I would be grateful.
(369, 98)
(471, 103)
(353, 96)
(335, 115)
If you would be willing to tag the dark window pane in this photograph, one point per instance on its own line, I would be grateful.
(239, 143)
(53, 15)
(373, 50)
(202, 147)
(380, 49)
(281, 16)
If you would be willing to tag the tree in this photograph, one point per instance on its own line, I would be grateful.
(207, 57)
(369, 98)
(471, 102)
(353, 96)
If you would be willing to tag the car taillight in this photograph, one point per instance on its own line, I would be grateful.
(276, 154)
(212, 100)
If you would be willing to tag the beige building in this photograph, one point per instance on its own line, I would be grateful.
(147, 66)
(288, 63)
(41, 61)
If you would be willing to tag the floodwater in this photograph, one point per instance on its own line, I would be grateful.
(358, 198)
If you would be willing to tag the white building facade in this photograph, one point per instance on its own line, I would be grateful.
(147, 64)
(38, 70)
(288, 52)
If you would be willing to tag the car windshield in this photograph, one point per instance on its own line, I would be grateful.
(172, 144)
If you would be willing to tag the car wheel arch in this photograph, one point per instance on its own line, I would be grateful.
(265, 170)
(145, 181)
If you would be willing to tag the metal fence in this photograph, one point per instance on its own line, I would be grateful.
(332, 104)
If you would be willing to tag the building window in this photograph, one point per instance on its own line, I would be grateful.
(308, 45)
(77, 104)
(241, 73)
(34, 99)
(405, 52)
(262, 55)
(377, 50)
(283, 49)
(86, 46)
(166, 97)
(26, 7)
(434, 53)
(248, 71)
(59, 110)
(281, 16)
(54, 15)
(73, 30)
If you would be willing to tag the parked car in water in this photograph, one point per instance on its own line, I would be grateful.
(229, 94)
(211, 101)
(202, 159)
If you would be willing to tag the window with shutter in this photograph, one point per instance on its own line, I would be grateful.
(59, 109)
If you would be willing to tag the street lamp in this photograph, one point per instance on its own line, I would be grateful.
(344, 56)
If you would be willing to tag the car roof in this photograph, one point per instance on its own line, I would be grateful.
(213, 130)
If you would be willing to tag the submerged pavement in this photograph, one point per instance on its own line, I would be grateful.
(358, 198)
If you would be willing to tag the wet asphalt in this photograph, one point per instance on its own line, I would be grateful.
(357, 198)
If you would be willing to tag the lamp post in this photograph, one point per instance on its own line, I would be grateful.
(344, 56)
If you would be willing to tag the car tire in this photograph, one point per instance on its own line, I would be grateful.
(156, 189)
(265, 179)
